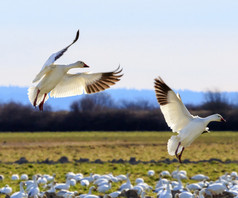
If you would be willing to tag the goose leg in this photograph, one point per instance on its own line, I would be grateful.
(180, 155)
(42, 103)
(176, 152)
(38, 91)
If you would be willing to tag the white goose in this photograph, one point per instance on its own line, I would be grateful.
(21, 193)
(55, 79)
(179, 119)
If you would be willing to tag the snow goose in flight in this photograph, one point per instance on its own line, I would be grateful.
(55, 79)
(179, 119)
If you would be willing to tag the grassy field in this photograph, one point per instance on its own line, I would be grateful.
(106, 146)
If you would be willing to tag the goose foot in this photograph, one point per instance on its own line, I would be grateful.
(38, 91)
(180, 155)
(42, 103)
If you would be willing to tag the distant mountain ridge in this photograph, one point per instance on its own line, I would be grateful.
(19, 94)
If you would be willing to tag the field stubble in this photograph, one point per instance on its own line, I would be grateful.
(144, 146)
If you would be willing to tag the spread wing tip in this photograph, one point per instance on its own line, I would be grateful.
(106, 81)
(161, 90)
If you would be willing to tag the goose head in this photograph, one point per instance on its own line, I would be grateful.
(81, 64)
(218, 118)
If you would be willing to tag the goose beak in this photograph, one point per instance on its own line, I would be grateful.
(223, 120)
(85, 65)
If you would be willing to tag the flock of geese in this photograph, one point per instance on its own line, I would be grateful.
(167, 186)
(56, 80)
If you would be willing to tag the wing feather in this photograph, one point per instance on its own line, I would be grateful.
(58, 54)
(175, 113)
(77, 84)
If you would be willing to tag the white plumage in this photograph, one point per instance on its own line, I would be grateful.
(179, 119)
(21, 193)
(55, 79)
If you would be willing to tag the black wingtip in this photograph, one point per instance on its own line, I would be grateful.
(77, 36)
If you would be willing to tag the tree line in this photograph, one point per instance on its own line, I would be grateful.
(98, 112)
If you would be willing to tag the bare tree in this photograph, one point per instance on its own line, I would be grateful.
(215, 100)
(94, 102)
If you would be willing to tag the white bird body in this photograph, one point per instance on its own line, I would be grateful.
(115, 194)
(63, 186)
(180, 120)
(42, 180)
(70, 175)
(84, 182)
(166, 193)
(89, 192)
(139, 189)
(121, 177)
(1, 177)
(139, 180)
(216, 188)
(55, 80)
(100, 181)
(34, 189)
(200, 177)
(193, 187)
(91, 196)
(78, 177)
(151, 173)
(72, 182)
(165, 174)
(185, 195)
(24, 177)
(126, 185)
(7, 190)
(21, 193)
(15, 177)
(104, 188)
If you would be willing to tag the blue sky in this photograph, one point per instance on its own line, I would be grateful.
(190, 44)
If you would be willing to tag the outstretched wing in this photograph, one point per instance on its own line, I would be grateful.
(53, 58)
(175, 113)
(77, 84)
(58, 54)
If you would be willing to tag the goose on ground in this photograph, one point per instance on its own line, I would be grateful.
(217, 188)
(84, 182)
(194, 186)
(121, 177)
(199, 177)
(78, 177)
(7, 190)
(139, 180)
(56, 80)
(178, 187)
(165, 174)
(34, 189)
(179, 119)
(166, 193)
(150, 173)
(42, 180)
(63, 186)
(24, 177)
(21, 193)
(70, 175)
(15, 177)
(115, 194)
(1, 177)
(104, 187)
(126, 185)
(89, 192)
(184, 195)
